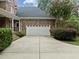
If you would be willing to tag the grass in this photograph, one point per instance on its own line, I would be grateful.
(75, 42)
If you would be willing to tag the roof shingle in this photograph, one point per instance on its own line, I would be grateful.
(30, 12)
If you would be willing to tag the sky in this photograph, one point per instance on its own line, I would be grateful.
(32, 3)
(77, 1)
(27, 3)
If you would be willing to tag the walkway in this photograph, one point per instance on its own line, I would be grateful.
(40, 48)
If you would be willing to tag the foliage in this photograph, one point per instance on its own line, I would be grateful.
(60, 8)
(43, 4)
(75, 13)
(73, 22)
(75, 42)
(64, 34)
(5, 38)
(20, 34)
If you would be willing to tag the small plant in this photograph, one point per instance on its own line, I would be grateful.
(64, 34)
(5, 38)
(20, 34)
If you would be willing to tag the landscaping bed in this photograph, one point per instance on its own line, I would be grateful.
(5, 38)
(17, 35)
(64, 34)
(75, 42)
(69, 35)
(14, 36)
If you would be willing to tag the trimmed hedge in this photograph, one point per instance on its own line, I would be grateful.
(20, 34)
(5, 38)
(64, 34)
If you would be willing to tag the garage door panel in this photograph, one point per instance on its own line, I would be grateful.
(38, 30)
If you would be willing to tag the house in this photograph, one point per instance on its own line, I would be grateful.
(7, 13)
(31, 20)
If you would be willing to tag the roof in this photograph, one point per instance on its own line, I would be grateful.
(4, 13)
(25, 13)
(30, 12)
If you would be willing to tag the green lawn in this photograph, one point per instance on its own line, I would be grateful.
(76, 42)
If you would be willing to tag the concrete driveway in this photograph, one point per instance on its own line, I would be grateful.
(40, 48)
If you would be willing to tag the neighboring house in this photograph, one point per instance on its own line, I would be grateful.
(30, 20)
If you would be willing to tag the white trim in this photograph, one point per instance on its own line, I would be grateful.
(12, 25)
(36, 18)
(19, 26)
(49, 27)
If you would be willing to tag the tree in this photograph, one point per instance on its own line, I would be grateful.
(60, 9)
(73, 22)
(43, 4)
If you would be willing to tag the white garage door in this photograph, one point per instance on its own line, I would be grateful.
(42, 30)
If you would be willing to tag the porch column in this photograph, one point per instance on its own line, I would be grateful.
(19, 26)
(12, 25)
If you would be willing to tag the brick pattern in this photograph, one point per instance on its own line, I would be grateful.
(25, 23)
(9, 5)
(5, 22)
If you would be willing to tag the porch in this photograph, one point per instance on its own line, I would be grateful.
(9, 20)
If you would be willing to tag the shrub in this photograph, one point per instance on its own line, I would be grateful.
(73, 22)
(20, 34)
(64, 34)
(5, 38)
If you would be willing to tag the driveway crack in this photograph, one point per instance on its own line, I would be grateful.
(39, 48)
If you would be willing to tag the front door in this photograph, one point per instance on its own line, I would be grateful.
(16, 25)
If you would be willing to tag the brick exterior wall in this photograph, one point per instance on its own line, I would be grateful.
(5, 22)
(3, 4)
(2, 22)
(25, 23)
(9, 5)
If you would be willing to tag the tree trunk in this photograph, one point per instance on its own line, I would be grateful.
(56, 23)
